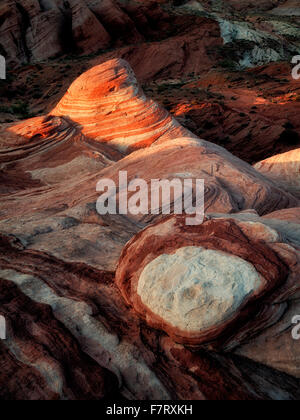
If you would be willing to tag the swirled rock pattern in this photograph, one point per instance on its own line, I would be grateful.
(284, 169)
(76, 329)
(206, 284)
(40, 359)
(78, 139)
(290, 215)
(109, 104)
(231, 185)
(35, 30)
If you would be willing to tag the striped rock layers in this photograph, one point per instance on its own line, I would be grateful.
(213, 284)
(109, 104)
(217, 285)
(284, 170)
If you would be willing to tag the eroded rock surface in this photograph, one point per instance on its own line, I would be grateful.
(77, 329)
(195, 289)
(203, 285)
(284, 169)
(109, 104)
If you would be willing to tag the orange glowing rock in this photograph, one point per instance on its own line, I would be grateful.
(104, 116)
(109, 104)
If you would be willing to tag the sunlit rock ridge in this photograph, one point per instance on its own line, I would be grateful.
(77, 288)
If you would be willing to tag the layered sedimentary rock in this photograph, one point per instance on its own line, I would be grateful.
(40, 358)
(109, 104)
(103, 116)
(252, 114)
(109, 93)
(35, 30)
(88, 33)
(118, 23)
(11, 31)
(252, 4)
(251, 39)
(213, 284)
(284, 169)
(71, 334)
(67, 341)
(30, 33)
(93, 327)
(290, 215)
(287, 8)
(190, 48)
(230, 184)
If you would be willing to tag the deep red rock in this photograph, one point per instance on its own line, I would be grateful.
(72, 334)
(251, 242)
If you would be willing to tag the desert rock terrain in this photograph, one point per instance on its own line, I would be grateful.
(143, 306)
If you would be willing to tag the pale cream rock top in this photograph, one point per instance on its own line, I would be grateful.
(196, 289)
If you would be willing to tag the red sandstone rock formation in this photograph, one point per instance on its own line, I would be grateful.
(287, 8)
(104, 115)
(212, 284)
(148, 364)
(230, 184)
(290, 215)
(109, 104)
(253, 114)
(41, 359)
(35, 30)
(88, 33)
(71, 334)
(117, 22)
(252, 4)
(190, 48)
(284, 170)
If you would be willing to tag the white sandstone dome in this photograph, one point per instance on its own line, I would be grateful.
(196, 289)
(209, 285)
